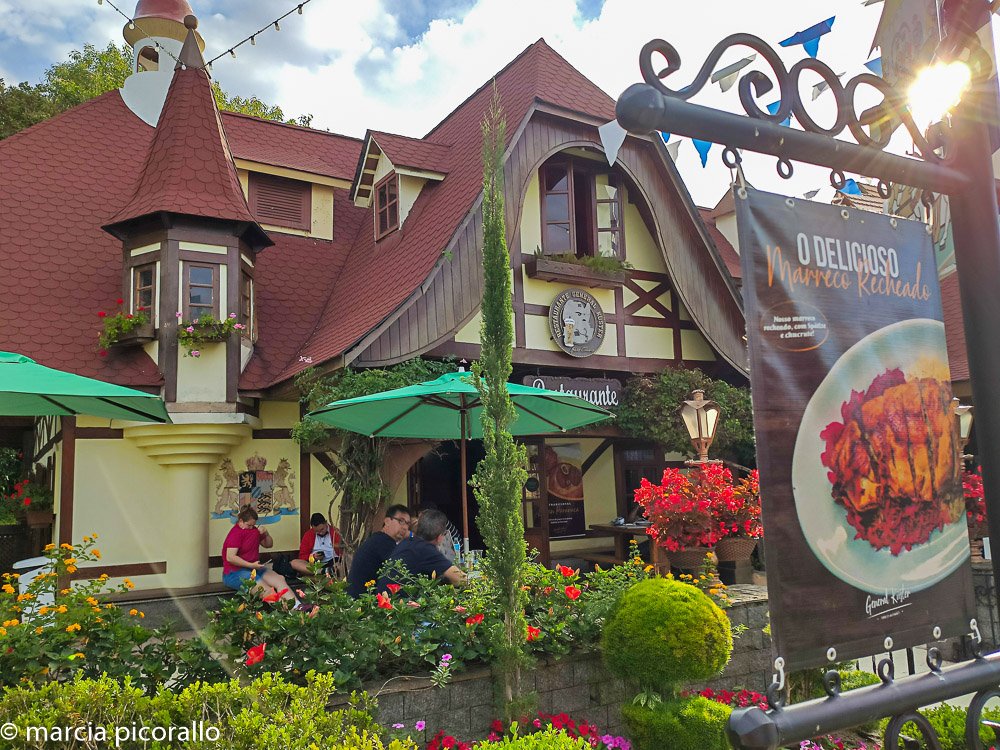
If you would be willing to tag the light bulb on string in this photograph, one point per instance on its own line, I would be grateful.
(131, 24)
(233, 53)
(253, 41)
(300, 10)
(276, 26)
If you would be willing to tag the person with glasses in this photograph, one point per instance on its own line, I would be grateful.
(377, 548)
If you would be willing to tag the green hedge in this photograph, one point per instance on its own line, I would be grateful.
(265, 713)
(548, 739)
(693, 723)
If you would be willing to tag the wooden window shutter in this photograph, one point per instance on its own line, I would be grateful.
(281, 202)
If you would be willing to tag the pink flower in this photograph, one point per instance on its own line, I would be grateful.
(195, 353)
(179, 315)
(189, 329)
(419, 726)
(239, 326)
(232, 315)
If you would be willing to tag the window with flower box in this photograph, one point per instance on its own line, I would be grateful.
(144, 289)
(201, 290)
(582, 209)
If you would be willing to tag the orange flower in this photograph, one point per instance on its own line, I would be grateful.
(533, 633)
(383, 600)
(275, 596)
(255, 654)
(572, 592)
(565, 571)
(393, 588)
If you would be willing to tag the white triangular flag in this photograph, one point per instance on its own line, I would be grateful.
(612, 137)
(727, 76)
(727, 83)
(672, 149)
(822, 86)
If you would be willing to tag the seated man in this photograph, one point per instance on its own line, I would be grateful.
(321, 543)
(241, 556)
(375, 550)
(419, 554)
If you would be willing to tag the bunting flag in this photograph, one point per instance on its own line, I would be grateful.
(875, 66)
(702, 147)
(850, 187)
(809, 38)
(822, 86)
(811, 194)
(665, 136)
(871, 2)
(612, 137)
(773, 109)
(673, 148)
(727, 76)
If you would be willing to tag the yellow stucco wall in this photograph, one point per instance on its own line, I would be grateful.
(202, 379)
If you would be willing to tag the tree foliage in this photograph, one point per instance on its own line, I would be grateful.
(649, 411)
(356, 460)
(91, 72)
(500, 475)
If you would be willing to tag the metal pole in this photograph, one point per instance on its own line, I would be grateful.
(464, 482)
(977, 257)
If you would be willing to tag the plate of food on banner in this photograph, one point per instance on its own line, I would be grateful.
(876, 472)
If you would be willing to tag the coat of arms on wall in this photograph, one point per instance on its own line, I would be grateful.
(270, 493)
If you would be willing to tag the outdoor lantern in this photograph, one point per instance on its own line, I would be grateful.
(701, 417)
(963, 415)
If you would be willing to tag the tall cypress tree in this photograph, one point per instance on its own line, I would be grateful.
(501, 474)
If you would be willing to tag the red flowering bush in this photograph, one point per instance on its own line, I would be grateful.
(738, 512)
(682, 508)
(28, 495)
(735, 698)
(975, 498)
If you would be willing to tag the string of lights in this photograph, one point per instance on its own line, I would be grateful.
(133, 24)
(276, 24)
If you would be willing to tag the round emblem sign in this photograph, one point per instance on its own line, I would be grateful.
(576, 322)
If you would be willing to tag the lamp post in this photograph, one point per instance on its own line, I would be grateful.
(701, 418)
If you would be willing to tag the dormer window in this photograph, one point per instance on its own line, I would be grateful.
(386, 206)
(280, 202)
(582, 209)
(144, 287)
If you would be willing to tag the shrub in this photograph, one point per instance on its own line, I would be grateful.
(693, 723)
(547, 739)
(949, 724)
(664, 633)
(267, 712)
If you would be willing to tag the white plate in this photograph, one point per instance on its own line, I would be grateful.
(918, 348)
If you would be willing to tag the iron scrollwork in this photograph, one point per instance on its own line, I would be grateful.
(881, 120)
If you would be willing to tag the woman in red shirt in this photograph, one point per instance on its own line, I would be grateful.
(241, 558)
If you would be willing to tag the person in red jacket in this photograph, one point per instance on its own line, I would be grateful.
(320, 542)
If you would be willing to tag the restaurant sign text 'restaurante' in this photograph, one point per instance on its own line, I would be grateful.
(598, 391)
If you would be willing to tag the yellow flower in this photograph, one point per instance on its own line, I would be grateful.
(713, 591)
(241, 607)
(108, 606)
(25, 597)
(128, 584)
(142, 615)
(49, 547)
(70, 568)
(86, 539)
(64, 591)
(253, 574)
(39, 630)
(11, 623)
(3, 632)
(70, 561)
(312, 558)
(7, 588)
(91, 601)
(98, 619)
(96, 609)
(64, 545)
(61, 609)
(96, 553)
(647, 568)
(369, 584)
(103, 577)
(43, 610)
(15, 576)
(45, 670)
(133, 612)
(260, 616)
(72, 628)
(77, 655)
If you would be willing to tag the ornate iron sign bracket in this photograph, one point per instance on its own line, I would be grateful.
(956, 161)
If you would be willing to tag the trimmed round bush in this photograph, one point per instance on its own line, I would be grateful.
(663, 633)
(693, 723)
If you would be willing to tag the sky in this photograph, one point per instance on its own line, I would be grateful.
(402, 65)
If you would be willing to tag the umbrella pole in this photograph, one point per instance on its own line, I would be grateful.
(464, 485)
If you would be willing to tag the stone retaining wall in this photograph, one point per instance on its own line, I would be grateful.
(578, 685)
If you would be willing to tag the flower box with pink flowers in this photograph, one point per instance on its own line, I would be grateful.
(205, 329)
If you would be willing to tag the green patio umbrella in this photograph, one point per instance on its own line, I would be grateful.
(28, 389)
(448, 408)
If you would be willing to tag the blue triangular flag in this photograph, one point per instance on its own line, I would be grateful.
(665, 137)
(875, 66)
(809, 38)
(850, 187)
(773, 108)
(702, 147)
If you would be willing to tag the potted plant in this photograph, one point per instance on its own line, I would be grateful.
(35, 501)
(681, 511)
(738, 514)
(205, 329)
(603, 271)
(123, 328)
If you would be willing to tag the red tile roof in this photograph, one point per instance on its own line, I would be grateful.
(61, 180)
(869, 200)
(954, 328)
(189, 169)
(412, 152)
(378, 277)
(290, 146)
(726, 250)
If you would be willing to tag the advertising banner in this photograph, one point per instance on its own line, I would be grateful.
(564, 484)
(860, 469)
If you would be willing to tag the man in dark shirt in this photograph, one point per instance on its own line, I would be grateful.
(375, 550)
(419, 554)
